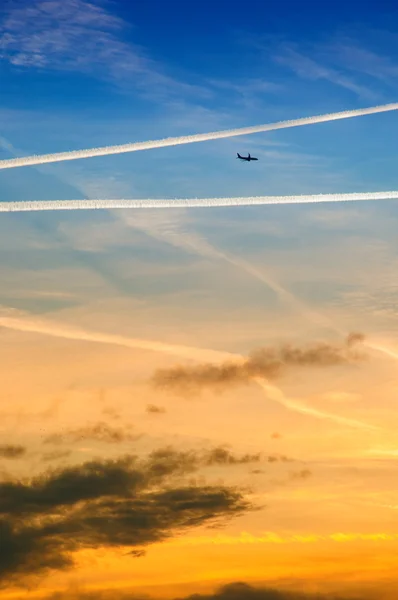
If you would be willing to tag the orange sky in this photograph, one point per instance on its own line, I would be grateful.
(334, 490)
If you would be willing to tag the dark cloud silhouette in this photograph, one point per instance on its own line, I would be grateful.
(167, 458)
(136, 553)
(264, 362)
(99, 432)
(231, 591)
(244, 591)
(279, 458)
(155, 410)
(125, 502)
(222, 456)
(11, 451)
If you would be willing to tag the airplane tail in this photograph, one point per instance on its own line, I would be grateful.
(239, 156)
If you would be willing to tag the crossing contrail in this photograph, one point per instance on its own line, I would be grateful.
(40, 159)
(98, 204)
(30, 324)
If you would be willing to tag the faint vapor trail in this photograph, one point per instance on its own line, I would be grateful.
(98, 204)
(189, 139)
(189, 352)
(276, 395)
(383, 349)
(74, 333)
(167, 230)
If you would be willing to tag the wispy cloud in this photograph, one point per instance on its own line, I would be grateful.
(99, 432)
(363, 60)
(82, 36)
(307, 68)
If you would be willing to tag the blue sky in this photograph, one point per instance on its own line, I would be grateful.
(77, 74)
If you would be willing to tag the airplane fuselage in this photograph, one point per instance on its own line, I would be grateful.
(247, 158)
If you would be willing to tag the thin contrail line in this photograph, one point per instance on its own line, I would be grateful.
(189, 139)
(54, 329)
(69, 332)
(105, 204)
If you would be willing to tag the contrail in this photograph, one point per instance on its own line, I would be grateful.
(98, 204)
(74, 333)
(189, 139)
(275, 394)
(54, 329)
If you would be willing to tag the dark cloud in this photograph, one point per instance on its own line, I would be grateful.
(222, 456)
(232, 591)
(99, 432)
(155, 410)
(279, 458)
(125, 502)
(11, 451)
(167, 458)
(264, 362)
(136, 553)
(244, 591)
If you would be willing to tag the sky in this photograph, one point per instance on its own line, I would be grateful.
(198, 403)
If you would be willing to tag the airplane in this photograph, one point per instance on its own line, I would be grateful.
(248, 157)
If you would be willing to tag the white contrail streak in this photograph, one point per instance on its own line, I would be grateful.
(189, 139)
(75, 333)
(277, 395)
(98, 204)
(54, 329)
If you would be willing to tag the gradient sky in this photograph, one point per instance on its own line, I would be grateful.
(181, 412)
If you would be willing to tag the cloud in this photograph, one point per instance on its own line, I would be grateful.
(10, 451)
(365, 61)
(307, 68)
(27, 323)
(230, 591)
(153, 409)
(264, 362)
(278, 458)
(82, 36)
(100, 432)
(128, 502)
(166, 458)
(244, 591)
(61, 34)
(222, 456)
